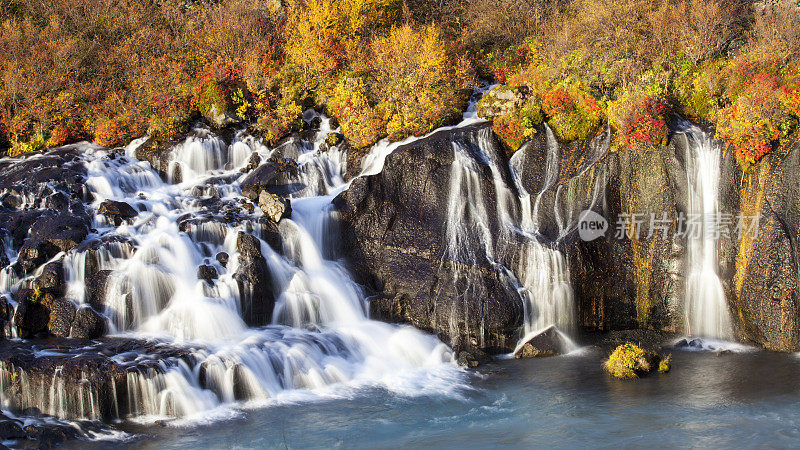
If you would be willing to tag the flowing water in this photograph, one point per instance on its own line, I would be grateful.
(706, 306)
(738, 400)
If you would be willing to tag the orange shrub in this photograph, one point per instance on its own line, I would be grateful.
(572, 113)
(640, 118)
(757, 119)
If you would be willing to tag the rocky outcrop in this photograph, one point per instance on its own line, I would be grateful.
(81, 379)
(255, 282)
(394, 236)
(765, 275)
(274, 208)
(548, 342)
(277, 176)
(117, 212)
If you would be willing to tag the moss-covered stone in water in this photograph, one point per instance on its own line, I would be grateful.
(630, 361)
(665, 364)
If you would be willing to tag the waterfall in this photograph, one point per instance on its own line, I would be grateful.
(320, 335)
(707, 311)
(484, 216)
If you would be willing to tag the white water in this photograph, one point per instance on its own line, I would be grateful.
(707, 311)
(321, 336)
(539, 270)
(321, 341)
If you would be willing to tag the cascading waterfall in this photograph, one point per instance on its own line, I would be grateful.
(707, 311)
(539, 270)
(320, 335)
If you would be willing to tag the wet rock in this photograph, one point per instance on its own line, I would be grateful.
(39, 176)
(471, 358)
(207, 273)
(96, 286)
(546, 343)
(57, 201)
(91, 375)
(10, 429)
(394, 238)
(33, 312)
(51, 279)
(274, 207)
(88, 324)
(6, 313)
(255, 282)
(62, 315)
(222, 258)
(117, 212)
(277, 175)
(51, 234)
(252, 163)
(97, 250)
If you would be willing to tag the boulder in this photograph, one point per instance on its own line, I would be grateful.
(501, 100)
(51, 234)
(62, 315)
(254, 281)
(207, 273)
(117, 212)
(95, 290)
(548, 342)
(33, 312)
(275, 208)
(40, 176)
(252, 163)
(277, 175)
(51, 279)
(88, 324)
(219, 118)
(223, 258)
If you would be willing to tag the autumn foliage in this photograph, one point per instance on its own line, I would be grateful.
(111, 71)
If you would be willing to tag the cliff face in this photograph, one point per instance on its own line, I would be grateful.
(764, 279)
(395, 239)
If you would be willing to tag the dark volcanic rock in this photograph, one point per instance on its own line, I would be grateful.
(546, 343)
(39, 176)
(255, 282)
(51, 234)
(51, 279)
(765, 279)
(394, 238)
(96, 285)
(62, 314)
(33, 312)
(207, 273)
(88, 324)
(223, 258)
(276, 176)
(92, 376)
(117, 212)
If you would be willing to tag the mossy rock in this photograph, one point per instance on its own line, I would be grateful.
(629, 361)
